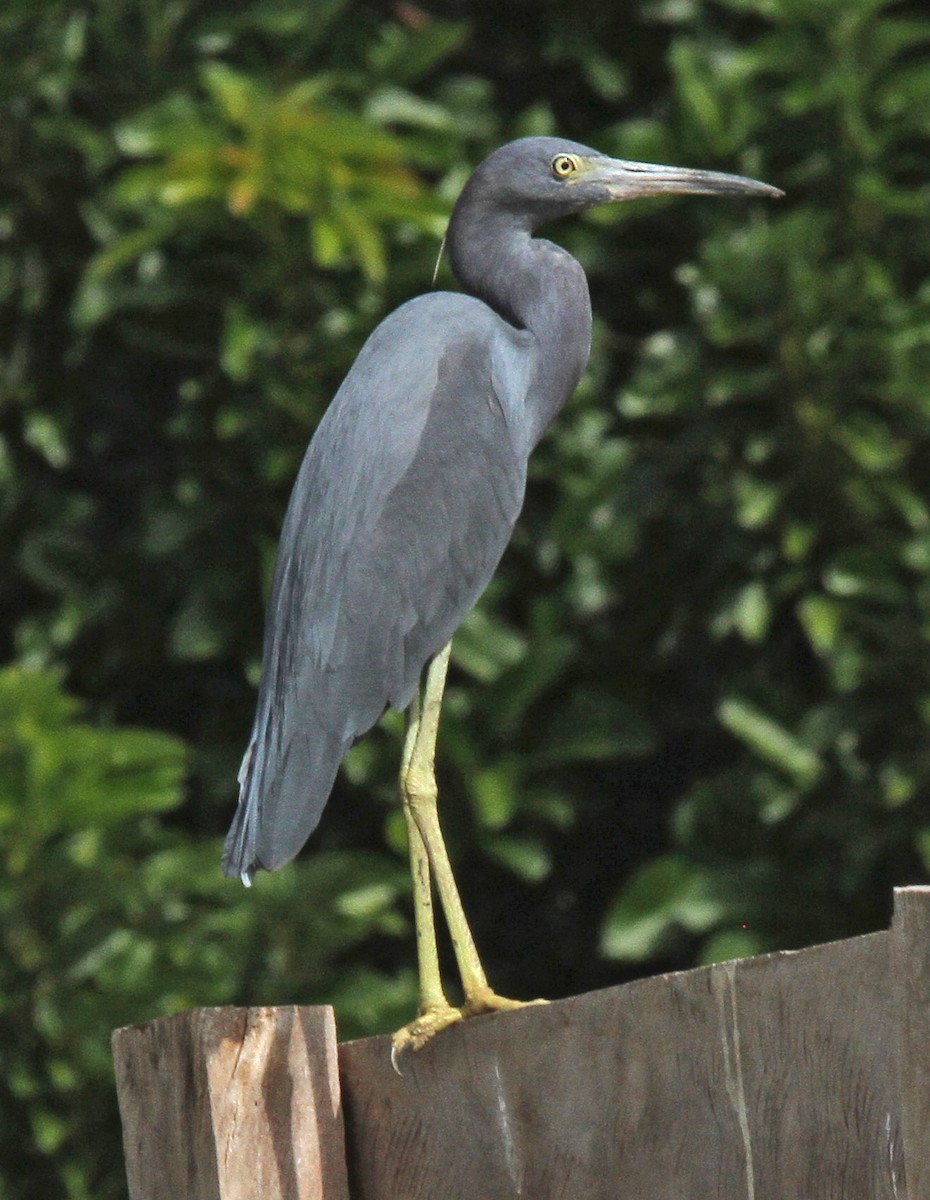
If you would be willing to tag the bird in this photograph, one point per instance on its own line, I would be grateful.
(401, 511)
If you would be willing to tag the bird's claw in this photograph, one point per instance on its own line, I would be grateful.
(431, 1021)
(419, 1031)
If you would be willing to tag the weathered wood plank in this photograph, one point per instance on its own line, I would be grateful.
(232, 1104)
(765, 1078)
(910, 931)
(804, 1074)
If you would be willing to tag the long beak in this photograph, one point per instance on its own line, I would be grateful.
(628, 180)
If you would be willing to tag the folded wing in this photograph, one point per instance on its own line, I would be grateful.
(403, 506)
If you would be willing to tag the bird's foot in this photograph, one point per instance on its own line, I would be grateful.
(431, 1021)
(418, 1032)
(483, 1000)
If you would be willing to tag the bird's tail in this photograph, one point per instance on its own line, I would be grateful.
(282, 793)
(240, 853)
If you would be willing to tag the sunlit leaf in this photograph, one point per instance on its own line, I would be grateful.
(668, 895)
(770, 740)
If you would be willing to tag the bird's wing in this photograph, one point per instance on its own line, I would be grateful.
(403, 506)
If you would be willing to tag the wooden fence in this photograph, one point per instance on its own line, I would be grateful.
(795, 1076)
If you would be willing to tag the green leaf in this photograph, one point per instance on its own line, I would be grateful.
(494, 792)
(243, 338)
(239, 96)
(730, 944)
(59, 774)
(770, 740)
(485, 647)
(863, 572)
(751, 612)
(526, 857)
(406, 56)
(666, 895)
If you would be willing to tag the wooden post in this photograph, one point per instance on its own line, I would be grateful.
(232, 1104)
(758, 1079)
(910, 931)
(803, 1074)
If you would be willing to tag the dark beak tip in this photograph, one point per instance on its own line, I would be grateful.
(762, 190)
(752, 187)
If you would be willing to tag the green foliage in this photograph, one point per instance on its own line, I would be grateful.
(59, 777)
(69, 793)
(689, 717)
(807, 346)
(107, 917)
(265, 155)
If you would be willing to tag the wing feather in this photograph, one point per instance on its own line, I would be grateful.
(403, 506)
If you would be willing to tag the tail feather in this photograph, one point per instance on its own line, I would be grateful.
(281, 799)
(240, 850)
(239, 856)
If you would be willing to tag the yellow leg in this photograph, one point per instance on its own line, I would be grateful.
(432, 997)
(428, 856)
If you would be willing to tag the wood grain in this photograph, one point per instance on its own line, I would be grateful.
(794, 1076)
(910, 932)
(761, 1079)
(232, 1104)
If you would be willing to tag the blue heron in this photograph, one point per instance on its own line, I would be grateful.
(403, 506)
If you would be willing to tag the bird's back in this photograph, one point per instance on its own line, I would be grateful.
(402, 508)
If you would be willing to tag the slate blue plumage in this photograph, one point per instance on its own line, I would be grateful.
(412, 484)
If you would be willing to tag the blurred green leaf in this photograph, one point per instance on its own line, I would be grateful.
(667, 895)
(527, 857)
(406, 55)
(770, 740)
(58, 775)
(730, 944)
(822, 621)
(484, 647)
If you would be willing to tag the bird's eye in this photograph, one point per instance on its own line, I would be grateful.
(563, 165)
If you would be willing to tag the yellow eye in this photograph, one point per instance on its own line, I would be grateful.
(564, 165)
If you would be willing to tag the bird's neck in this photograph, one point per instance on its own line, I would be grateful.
(533, 285)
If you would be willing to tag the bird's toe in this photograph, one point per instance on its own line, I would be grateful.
(419, 1031)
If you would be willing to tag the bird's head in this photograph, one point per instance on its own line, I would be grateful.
(539, 179)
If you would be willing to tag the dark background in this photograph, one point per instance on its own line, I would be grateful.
(688, 720)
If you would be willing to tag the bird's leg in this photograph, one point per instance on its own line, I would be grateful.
(432, 997)
(434, 1012)
(419, 792)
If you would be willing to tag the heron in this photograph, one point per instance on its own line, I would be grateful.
(402, 508)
